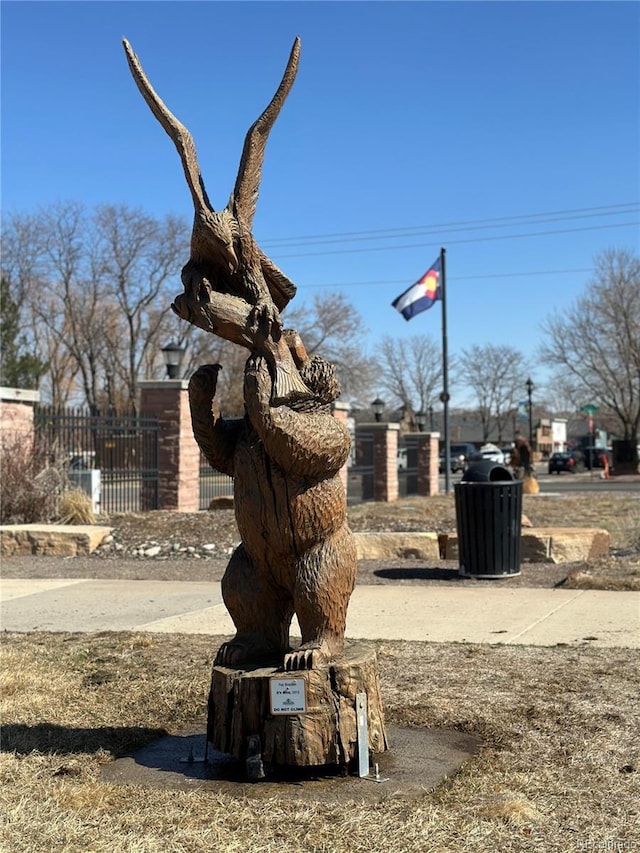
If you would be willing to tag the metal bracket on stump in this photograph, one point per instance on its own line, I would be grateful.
(363, 741)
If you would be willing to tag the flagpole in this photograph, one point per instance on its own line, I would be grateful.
(445, 377)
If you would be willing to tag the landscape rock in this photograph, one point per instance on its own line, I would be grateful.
(590, 544)
(64, 540)
(389, 546)
(548, 544)
(220, 503)
(153, 551)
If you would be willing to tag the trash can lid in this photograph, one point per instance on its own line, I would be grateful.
(486, 471)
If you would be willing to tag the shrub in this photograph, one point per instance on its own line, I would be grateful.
(32, 479)
(76, 508)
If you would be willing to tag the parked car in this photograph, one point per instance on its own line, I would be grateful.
(492, 453)
(464, 453)
(455, 463)
(568, 461)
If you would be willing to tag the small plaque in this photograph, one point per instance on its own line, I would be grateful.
(288, 695)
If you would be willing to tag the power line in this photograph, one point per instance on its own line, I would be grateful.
(484, 239)
(454, 230)
(471, 224)
(450, 278)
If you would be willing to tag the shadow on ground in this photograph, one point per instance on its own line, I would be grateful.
(418, 759)
(59, 740)
(421, 574)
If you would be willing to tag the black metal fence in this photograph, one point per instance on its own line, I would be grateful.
(123, 447)
(408, 465)
(360, 474)
(213, 484)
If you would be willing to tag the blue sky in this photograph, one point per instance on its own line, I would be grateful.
(506, 132)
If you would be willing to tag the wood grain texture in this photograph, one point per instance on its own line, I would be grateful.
(297, 554)
(239, 707)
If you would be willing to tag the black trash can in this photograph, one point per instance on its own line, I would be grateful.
(488, 519)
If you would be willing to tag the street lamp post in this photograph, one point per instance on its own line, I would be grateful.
(378, 408)
(421, 420)
(173, 354)
(431, 421)
(529, 386)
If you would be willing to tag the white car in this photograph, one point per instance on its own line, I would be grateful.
(492, 453)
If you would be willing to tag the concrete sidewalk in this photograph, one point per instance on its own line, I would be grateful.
(539, 617)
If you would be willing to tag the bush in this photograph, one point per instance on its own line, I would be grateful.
(32, 479)
(76, 508)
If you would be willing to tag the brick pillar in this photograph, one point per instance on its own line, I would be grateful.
(385, 461)
(428, 463)
(341, 413)
(16, 413)
(178, 453)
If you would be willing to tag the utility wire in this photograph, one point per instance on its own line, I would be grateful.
(471, 224)
(397, 281)
(484, 239)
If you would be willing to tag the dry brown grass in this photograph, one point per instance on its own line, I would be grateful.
(76, 508)
(558, 770)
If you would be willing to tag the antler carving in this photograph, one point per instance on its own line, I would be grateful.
(245, 193)
(225, 259)
(181, 137)
(216, 237)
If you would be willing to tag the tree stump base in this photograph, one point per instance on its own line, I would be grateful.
(240, 709)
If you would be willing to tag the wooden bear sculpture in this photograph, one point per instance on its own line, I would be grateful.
(297, 553)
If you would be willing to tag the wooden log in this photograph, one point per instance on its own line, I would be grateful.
(230, 318)
(240, 708)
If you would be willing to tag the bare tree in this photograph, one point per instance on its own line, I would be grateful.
(53, 332)
(95, 287)
(138, 258)
(22, 269)
(496, 374)
(332, 327)
(410, 371)
(21, 253)
(205, 348)
(596, 346)
(72, 313)
(43, 255)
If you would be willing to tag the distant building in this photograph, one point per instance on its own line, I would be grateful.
(559, 435)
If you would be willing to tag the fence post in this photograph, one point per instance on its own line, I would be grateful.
(178, 453)
(385, 461)
(428, 463)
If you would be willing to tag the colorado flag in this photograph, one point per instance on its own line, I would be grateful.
(420, 295)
